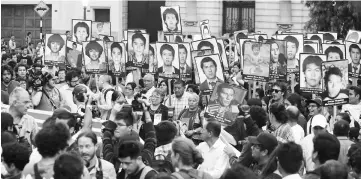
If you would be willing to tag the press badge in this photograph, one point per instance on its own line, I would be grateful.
(157, 118)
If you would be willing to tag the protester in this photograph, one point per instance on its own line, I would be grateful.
(179, 100)
(333, 169)
(289, 157)
(279, 121)
(68, 165)
(341, 132)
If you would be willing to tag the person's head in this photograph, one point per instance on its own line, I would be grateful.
(238, 171)
(14, 57)
(318, 125)
(289, 157)
(138, 43)
(24, 50)
(265, 102)
(157, 97)
(20, 70)
(52, 140)
(354, 95)
(116, 52)
(100, 26)
(81, 32)
(225, 94)
(14, 157)
(163, 85)
(355, 53)
(6, 73)
(22, 81)
(256, 48)
(275, 52)
(312, 70)
(259, 93)
(184, 151)
(7, 122)
(293, 99)
(72, 77)
(204, 45)
(333, 53)
(129, 89)
(211, 130)
(293, 113)
(148, 80)
(55, 43)
(278, 114)
(355, 158)
(37, 68)
(193, 100)
(68, 166)
(192, 88)
(8, 137)
(48, 80)
(130, 157)
(314, 106)
(179, 88)
(182, 54)
(325, 147)
(61, 75)
(341, 128)
(87, 144)
(209, 67)
(74, 45)
(333, 169)
(93, 50)
(279, 90)
(170, 18)
(262, 145)
(259, 115)
(343, 116)
(292, 47)
(236, 67)
(79, 93)
(103, 81)
(151, 54)
(333, 81)
(166, 132)
(19, 101)
(12, 37)
(124, 120)
(167, 53)
(61, 115)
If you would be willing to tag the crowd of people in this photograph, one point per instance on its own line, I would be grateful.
(159, 129)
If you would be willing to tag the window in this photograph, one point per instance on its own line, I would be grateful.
(238, 16)
(102, 15)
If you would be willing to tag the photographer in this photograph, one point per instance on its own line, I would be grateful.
(46, 97)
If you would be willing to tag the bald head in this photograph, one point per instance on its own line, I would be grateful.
(293, 113)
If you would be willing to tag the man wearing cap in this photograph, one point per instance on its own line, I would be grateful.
(314, 107)
(341, 130)
(318, 125)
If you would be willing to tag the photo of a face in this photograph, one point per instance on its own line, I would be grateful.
(168, 60)
(257, 58)
(294, 46)
(185, 63)
(311, 72)
(103, 28)
(171, 19)
(138, 48)
(81, 30)
(278, 65)
(336, 80)
(353, 36)
(194, 54)
(74, 54)
(334, 51)
(94, 57)
(55, 49)
(310, 47)
(209, 70)
(116, 57)
(206, 44)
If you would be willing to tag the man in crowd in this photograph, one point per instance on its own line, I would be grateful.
(105, 98)
(14, 157)
(279, 91)
(148, 80)
(354, 67)
(24, 57)
(72, 79)
(216, 161)
(292, 49)
(341, 130)
(289, 157)
(312, 71)
(179, 100)
(314, 108)
(61, 78)
(209, 67)
(353, 107)
(68, 165)
(7, 84)
(298, 132)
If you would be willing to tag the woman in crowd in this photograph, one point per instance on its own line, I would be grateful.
(158, 111)
(129, 92)
(278, 118)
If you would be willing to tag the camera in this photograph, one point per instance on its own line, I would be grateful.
(137, 102)
(37, 80)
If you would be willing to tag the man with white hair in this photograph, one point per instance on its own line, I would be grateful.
(148, 80)
(26, 126)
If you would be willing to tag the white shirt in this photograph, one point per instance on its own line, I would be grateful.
(293, 176)
(298, 133)
(149, 92)
(67, 94)
(216, 161)
(307, 148)
(355, 111)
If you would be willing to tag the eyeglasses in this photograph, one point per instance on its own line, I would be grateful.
(275, 90)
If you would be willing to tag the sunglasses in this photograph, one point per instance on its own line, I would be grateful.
(275, 90)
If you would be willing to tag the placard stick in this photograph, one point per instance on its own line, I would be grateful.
(264, 85)
(249, 90)
(334, 111)
(169, 91)
(254, 89)
(293, 84)
(97, 81)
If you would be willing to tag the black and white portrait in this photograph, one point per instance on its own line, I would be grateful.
(153, 61)
(205, 44)
(328, 36)
(74, 54)
(336, 80)
(278, 63)
(353, 36)
(178, 38)
(209, 70)
(334, 51)
(230, 52)
(103, 28)
(117, 55)
(125, 32)
(311, 72)
(310, 47)
(171, 19)
(55, 49)
(318, 37)
(138, 47)
(194, 54)
(94, 57)
(239, 58)
(257, 57)
(353, 55)
(222, 54)
(294, 46)
(168, 60)
(82, 30)
(185, 60)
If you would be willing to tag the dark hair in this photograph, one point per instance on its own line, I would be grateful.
(166, 132)
(279, 111)
(20, 65)
(282, 85)
(316, 37)
(180, 82)
(68, 166)
(151, 49)
(6, 121)
(259, 115)
(73, 73)
(167, 47)
(170, 11)
(56, 38)
(220, 48)
(7, 137)
(308, 49)
(126, 116)
(183, 47)
(208, 59)
(292, 40)
(334, 49)
(241, 35)
(355, 158)
(328, 36)
(89, 134)
(345, 117)
(188, 153)
(341, 128)
(214, 127)
(295, 100)
(93, 45)
(354, 46)
(140, 36)
(52, 139)
(205, 43)
(260, 92)
(116, 45)
(17, 154)
(331, 71)
(6, 68)
(327, 147)
(312, 59)
(357, 90)
(194, 88)
(65, 115)
(238, 171)
(290, 157)
(81, 24)
(130, 149)
(178, 39)
(333, 169)
(47, 77)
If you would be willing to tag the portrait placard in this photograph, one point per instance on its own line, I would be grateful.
(125, 32)
(330, 36)
(168, 60)
(205, 29)
(194, 54)
(257, 57)
(74, 55)
(223, 104)
(94, 57)
(335, 84)
(353, 55)
(103, 28)
(311, 72)
(178, 38)
(222, 54)
(185, 61)
(82, 30)
(278, 64)
(209, 71)
(241, 50)
(318, 37)
(353, 36)
(206, 44)
(230, 54)
(171, 19)
(55, 49)
(294, 46)
(310, 47)
(138, 50)
(117, 58)
(334, 51)
(153, 62)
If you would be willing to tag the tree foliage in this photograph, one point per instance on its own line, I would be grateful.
(335, 16)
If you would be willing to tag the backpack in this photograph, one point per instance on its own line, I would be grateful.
(188, 174)
(163, 165)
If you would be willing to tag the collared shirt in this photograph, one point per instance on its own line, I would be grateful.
(345, 144)
(298, 133)
(307, 148)
(293, 176)
(178, 103)
(216, 161)
(107, 168)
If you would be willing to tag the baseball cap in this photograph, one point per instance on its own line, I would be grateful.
(319, 120)
(80, 88)
(254, 102)
(267, 140)
(318, 101)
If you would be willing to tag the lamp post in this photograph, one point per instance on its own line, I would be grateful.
(85, 4)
